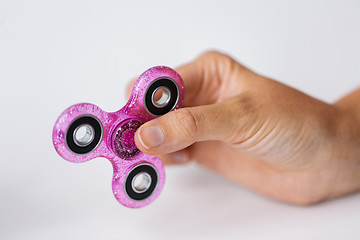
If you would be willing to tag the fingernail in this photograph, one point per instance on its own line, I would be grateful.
(180, 157)
(151, 137)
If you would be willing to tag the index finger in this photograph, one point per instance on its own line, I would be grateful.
(203, 78)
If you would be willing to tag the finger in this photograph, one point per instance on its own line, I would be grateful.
(204, 76)
(183, 127)
(196, 76)
(176, 158)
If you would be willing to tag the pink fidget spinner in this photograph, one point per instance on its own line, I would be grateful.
(84, 131)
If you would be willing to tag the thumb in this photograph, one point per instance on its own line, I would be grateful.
(178, 129)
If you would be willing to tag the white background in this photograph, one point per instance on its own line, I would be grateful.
(57, 53)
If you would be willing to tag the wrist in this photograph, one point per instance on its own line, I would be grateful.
(345, 154)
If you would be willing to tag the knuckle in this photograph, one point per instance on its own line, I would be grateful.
(245, 118)
(215, 57)
(186, 123)
(245, 107)
(211, 54)
(216, 65)
(246, 103)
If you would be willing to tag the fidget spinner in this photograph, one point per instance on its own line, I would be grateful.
(84, 131)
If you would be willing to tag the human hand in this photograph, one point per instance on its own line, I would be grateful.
(259, 133)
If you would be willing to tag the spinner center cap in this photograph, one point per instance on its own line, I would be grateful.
(123, 142)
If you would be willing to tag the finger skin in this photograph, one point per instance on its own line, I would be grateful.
(177, 158)
(205, 77)
(183, 127)
(260, 133)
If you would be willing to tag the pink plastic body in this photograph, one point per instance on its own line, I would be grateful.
(111, 122)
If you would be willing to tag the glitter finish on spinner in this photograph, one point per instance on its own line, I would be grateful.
(84, 132)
